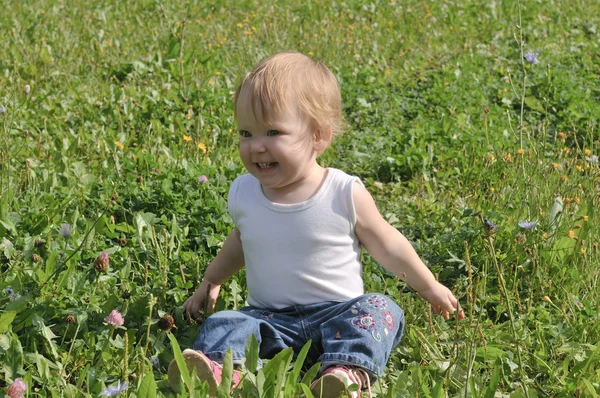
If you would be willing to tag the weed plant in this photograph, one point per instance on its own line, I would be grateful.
(474, 124)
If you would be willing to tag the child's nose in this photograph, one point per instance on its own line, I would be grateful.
(257, 145)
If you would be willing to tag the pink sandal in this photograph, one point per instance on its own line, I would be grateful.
(206, 369)
(335, 380)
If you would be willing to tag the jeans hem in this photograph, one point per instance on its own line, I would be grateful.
(219, 356)
(328, 360)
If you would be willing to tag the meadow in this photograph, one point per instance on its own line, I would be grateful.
(473, 124)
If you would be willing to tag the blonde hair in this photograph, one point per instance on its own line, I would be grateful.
(312, 86)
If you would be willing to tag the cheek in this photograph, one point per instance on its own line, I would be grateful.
(244, 151)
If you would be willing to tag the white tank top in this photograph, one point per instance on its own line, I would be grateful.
(302, 253)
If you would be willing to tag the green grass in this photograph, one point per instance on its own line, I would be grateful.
(448, 125)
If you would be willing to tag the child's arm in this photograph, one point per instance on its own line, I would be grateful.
(394, 252)
(228, 261)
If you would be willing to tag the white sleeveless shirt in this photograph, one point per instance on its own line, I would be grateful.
(302, 253)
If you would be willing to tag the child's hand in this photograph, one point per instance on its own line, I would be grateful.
(443, 301)
(202, 301)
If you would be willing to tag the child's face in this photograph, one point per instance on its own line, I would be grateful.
(280, 153)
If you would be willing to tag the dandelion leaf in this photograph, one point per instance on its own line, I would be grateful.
(6, 319)
(148, 387)
(555, 212)
(251, 353)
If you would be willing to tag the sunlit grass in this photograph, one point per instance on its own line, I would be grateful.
(130, 103)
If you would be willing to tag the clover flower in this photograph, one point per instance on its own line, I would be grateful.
(16, 388)
(166, 323)
(102, 261)
(115, 319)
(528, 224)
(202, 179)
(531, 57)
(592, 159)
(113, 391)
(27, 89)
(65, 230)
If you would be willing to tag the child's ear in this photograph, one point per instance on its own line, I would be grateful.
(323, 138)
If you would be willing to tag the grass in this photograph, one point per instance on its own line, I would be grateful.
(131, 102)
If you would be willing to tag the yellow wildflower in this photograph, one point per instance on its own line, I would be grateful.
(585, 218)
(521, 151)
(187, 138)
(119, 145)
(547, 299)
(571, 234)
(579, 168)
(545, 235)
(202, 147)
(587, 152)
(582, 251)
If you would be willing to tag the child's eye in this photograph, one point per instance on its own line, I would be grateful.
(245, 134)
(272, 133)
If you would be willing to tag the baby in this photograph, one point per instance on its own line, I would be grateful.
(299, 230)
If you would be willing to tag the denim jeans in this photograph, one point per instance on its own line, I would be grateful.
(359, 332)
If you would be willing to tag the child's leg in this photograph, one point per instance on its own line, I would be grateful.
(207, 371)
(358, 338)
(220, 332)
(226, 330)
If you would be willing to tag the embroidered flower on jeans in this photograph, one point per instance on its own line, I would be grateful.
(377, 301)
(263, 314)
(366, 321)
(388, 319)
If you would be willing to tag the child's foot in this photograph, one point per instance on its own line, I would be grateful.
(334, 382)
(206, 370)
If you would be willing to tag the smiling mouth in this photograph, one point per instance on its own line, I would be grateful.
(266, 165)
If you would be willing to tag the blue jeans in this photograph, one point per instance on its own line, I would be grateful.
(359, 332)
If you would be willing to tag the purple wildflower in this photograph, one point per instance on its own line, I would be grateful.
(115, 319)
(592, 159)
(9, 291)
(65, 230)
(16, 388)
(2, 110)
(531, 57)
(490, 227)
(154, 360)
(113, 391)
(202, 179)
(528, 224)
